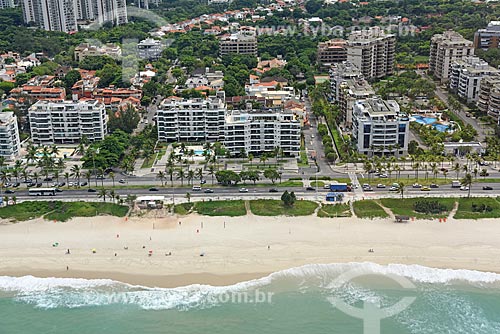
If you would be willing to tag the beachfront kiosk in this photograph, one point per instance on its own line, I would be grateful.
(334, 197)
(150, 202)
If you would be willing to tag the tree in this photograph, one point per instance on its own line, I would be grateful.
(288, 199)
(188, 197)
(161, 177)
(112, 176)
(125, 119)
(271, 174)
(401, 189)
(181, 175)
(190, 176)
(227, 177)
(75, 172)
(467, 182)
(103, 192)
(211, 172)
(170, 172)
(88, 175)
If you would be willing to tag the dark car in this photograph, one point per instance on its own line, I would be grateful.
(208, 191)
(487, 188)
(30, 184)
(9, 191)
(92, 190)
(39, 184)
(16, 184)
(83, 184)
(273, 190)
(48, 178)
(153, 189)
(310, 188)
(434, 186)
(62, 184)
(121, 181)
(59, 190)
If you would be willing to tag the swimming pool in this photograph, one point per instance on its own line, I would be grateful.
(425, 120)
(199, 152)
(441, 127)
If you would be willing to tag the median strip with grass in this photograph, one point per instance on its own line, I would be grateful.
(368, 209)
(269, 207)
(60, 211)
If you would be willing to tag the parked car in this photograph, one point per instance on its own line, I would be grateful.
(203, 181)
(310, 188)
(121, 181)
(30, 184)
(434, 186)
(61, 184)
(487, 188)
(417, 186)
(16, 184)
(9, 191)
(83, 184)
(153, 189)
(48, 178)
(208, 191)
(425, 189)
(380, 185)
(92, 190)
(273, 190)
(39, 184)
(383, 176)
(243, 190)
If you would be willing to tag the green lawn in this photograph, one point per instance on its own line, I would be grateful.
(320, 184)
(405, 206)
(368, 209)
(268, 207)
(221, 208)
(465, 208)
(334, 210)
(183, 208)
(303, 159)
(407, 181)
(60, 211)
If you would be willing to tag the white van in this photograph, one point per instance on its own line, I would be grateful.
(196, 188)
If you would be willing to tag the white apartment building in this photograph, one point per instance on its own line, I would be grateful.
(380, 128)
(62, 15)
(445, 49)
(150, 49)
(466, 75)
(191, 120)
(9, 136)
(7, 4)
(258, 131)
(67, 121)
(372, 51)
(489, 96)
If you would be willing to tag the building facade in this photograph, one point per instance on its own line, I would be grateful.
(380, 128)
(191, 120)
(444, 50)
(67, 121)
(9, 136)
(372, 51)
(62, 15)
(489, 96)
(86, 50)
(466, 75)
(489, 37)
(150, 49)
(7, 4)
(258, 131)
(239, 43)
(332, 52)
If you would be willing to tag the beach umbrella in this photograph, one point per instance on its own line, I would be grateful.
(93, 250)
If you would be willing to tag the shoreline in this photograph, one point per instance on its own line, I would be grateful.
(237, 251)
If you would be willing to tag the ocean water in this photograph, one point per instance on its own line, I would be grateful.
(298, 300)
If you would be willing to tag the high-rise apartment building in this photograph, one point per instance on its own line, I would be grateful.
(7, 4)
(62, 15)
(9, 136)
(191, 120)
(67, 121)
(445, 49)
(150, 49)
(466, 75)
(332, 52)
(380, 128)
(372, 51)
(489, 96)
(258, 131)
(489, 37)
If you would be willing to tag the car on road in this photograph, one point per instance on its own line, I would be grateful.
(91, 190)
(434, 186)
(48, 178)
(153, 189)
(196, 188)
(9, 191)
(310, 188)
(83, 184)
(326, 186)
(417, 186)
(367, 187)
(383, 176)
(312, 136)
(464, 188)
(425, 189)
(487, 188)
(208, 191)
(380, 185)
(273, 190)
(16, 184)
(393, 188)
(243, 190)
(121, 181)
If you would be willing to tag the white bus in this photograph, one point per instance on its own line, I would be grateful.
(42, 191)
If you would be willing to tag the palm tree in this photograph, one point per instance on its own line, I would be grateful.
(46, 176)
(103, 193)
(66, 176)
(56, 175)
(25, 175)
(112, 195)
(456, 168)
(190, 176)
(161, 176)
(112, 176)
(75, 172)
(398, 171)
(35, 176)
(4, 177)
(54, 150)
(181, 175)
(199, 173)
(170, 172)
(2, 162)
(15, 173)
(100, 173)
(416, 166)
(188, 197)
(250, 158)
(263, 159)
(401, 189)
(191, 154)
(211, 172)
(467, 182)
(31, 155)
(88, 175)
(445, 172)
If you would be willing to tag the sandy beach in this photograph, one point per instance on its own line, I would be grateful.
(237, 250)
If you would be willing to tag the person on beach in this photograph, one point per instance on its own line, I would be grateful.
(68, 252)
(268, 247)
(67, 268)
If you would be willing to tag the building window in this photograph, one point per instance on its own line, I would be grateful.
(367, 128)
(366, 141)
(402, 127)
